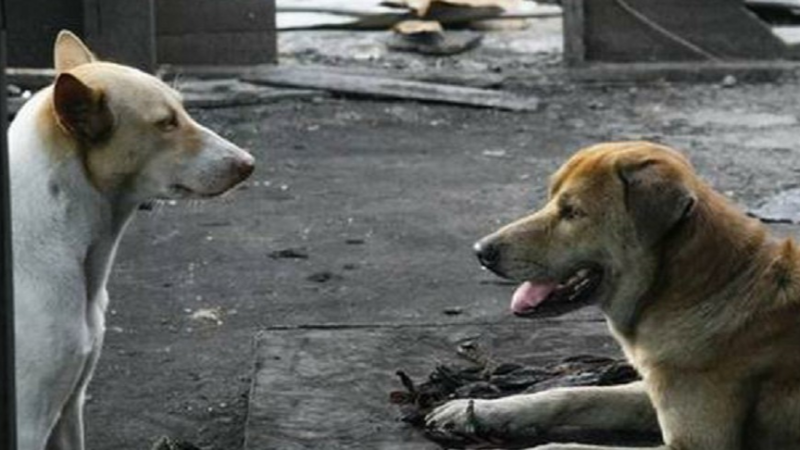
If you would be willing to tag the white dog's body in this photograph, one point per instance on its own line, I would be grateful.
(83, 157)
(64, 246)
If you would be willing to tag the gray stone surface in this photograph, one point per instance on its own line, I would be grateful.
(781, 207)
(329, 388)
(385, 200)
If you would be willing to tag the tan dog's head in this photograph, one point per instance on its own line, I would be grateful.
(610, 208)
(133, 133)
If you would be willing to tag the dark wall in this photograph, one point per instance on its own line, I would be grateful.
(33, 26)
(213, 32)
(661, 31)
(144, 33)
(122, 31)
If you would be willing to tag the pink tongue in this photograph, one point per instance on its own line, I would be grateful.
(530, 295)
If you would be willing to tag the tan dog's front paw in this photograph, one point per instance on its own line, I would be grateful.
(474, 422)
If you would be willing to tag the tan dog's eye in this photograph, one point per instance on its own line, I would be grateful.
(168, 124)
(569, 212)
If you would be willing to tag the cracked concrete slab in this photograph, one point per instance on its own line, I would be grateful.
(328, 389)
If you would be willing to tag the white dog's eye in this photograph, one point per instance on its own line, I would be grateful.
(168, 124)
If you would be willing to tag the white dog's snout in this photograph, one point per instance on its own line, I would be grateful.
(233, 164)
(243, 164)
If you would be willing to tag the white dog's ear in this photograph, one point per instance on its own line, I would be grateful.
(656, 199)
(70, 52)
(82, 111)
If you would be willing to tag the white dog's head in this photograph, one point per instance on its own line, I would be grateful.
(133, 133)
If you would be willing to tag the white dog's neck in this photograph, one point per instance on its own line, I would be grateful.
(56, 201)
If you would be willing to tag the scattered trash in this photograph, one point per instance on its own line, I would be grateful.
(166, 443)
(211, 315)
(289, 253)
(597, 105)
(13, 90)
(16, 97)
(453, 311)
(428, 38)
(230, 92)
(376, 15)
(729, 81)
(389, 87)
(500, 153)
(428, 8)
(324, 277)
(484, 378)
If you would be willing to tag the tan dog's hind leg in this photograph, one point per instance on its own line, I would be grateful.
(522, 417)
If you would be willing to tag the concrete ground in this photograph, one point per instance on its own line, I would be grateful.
(361, 215)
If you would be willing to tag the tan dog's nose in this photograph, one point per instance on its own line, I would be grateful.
(488, 253)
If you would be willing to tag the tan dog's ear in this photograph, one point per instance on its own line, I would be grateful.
(82, 111)
(655, 198)
(70, 52)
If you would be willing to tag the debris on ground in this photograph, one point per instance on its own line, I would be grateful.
(16, 97)
(729, 81)
(427, 8)
(453, 311)
(289, 253)
(166, 443)
(484, 378)
(377, 15)
(230, 92)
(210, 315)
(427, 37)
(197, 93)
(324, 277)
(395, 88)
(13, 90)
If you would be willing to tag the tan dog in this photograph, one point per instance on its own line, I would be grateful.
(85, 153)
(704, 302)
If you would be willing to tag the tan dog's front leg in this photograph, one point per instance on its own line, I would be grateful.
(697, 412)
(595, 447)
(532, 416)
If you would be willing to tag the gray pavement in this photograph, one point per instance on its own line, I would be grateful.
(329, 388)
(379, 202)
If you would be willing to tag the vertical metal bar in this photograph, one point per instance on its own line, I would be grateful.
(8, 428)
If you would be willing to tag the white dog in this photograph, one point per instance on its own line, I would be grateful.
(85, 153)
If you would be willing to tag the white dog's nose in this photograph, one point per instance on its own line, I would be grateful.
(245, 165)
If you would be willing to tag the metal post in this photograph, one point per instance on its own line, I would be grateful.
(8, 426)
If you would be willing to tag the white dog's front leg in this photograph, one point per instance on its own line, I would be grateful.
(68, 432)
(524, 417)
